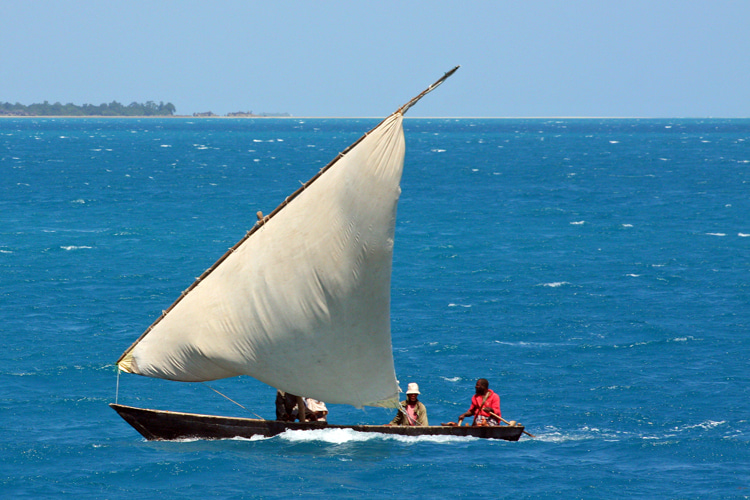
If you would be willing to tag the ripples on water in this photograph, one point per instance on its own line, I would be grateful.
(595, 271)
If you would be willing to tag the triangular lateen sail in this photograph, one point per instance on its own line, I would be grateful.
(303, 302)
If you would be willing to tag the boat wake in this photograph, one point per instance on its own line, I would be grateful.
(342, 436)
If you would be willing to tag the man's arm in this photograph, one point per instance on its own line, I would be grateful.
(494, 405)
(469, 413)
(422, 417)
(398, 419)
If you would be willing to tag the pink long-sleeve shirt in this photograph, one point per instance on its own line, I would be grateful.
(492, 404)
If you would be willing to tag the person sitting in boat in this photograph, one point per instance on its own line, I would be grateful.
(411, 411)
(316, 410)
(485, 405)
(286, 405)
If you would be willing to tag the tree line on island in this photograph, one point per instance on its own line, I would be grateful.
(114, 108)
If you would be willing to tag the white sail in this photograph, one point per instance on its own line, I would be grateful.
(303, 302)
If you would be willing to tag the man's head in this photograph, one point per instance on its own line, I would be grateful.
(412, 392)
(482, 386)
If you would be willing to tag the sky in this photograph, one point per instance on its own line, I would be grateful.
(532, 58)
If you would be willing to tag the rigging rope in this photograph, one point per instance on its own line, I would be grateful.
(232, 400)
(117, 395)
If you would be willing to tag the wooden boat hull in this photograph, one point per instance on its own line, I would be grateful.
(168, 425)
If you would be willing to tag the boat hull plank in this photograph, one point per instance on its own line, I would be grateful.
(167, 426)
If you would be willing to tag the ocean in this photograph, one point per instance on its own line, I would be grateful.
(595, 271)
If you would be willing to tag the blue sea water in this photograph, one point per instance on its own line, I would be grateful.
(597, 272)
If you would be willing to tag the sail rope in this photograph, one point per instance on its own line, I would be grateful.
(117, 389)
(117, 394)
(406, 414)
(232, 400)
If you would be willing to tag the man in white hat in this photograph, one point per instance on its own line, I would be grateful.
(412, 411)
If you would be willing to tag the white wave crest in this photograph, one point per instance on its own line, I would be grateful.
(341, 436)
(253, 438)
(708, 424)
(553, 435)
(555, 284)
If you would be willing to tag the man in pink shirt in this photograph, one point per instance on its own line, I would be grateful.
(485, 405)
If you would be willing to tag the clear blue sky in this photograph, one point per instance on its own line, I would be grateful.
(651, 58)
